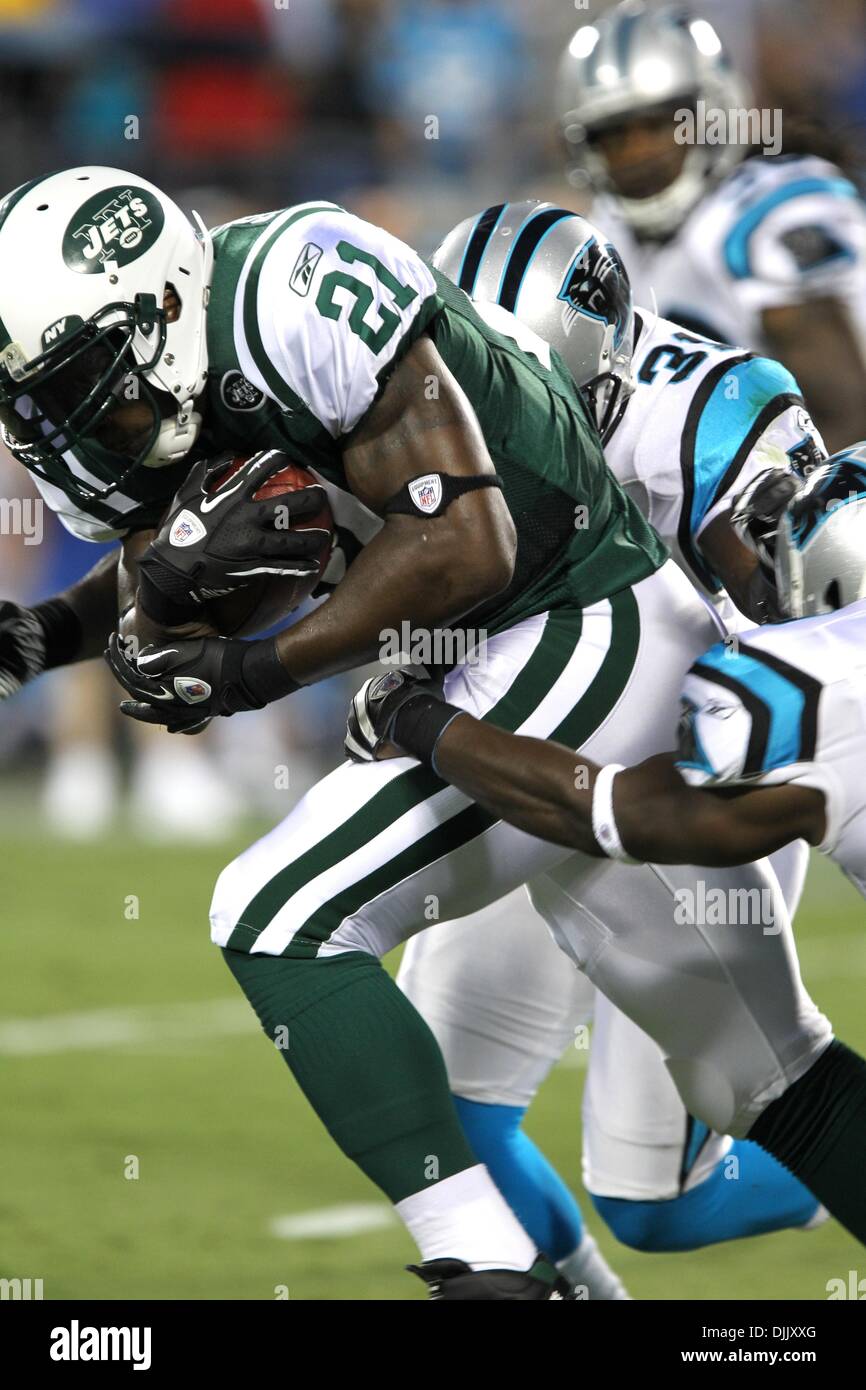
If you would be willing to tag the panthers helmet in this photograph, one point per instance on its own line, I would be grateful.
(630, 61)
(560, 277)
(89, 254)
(820, 552)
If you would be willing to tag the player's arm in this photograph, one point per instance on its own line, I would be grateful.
(421, 569)
(817, 342)
(428, 571)
(750, 587)
(757, 436)
(661, 819)
(548, 790)
(72, 626)
(800, 268)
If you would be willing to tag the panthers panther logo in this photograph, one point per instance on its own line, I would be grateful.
(596, 285)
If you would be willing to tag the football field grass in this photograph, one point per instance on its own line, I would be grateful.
(155, 1146)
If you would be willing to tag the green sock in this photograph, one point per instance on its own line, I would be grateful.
(366, 1061)
(818, 1130)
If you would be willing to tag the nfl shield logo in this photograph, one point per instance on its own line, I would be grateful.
(191, 690)
(426, 492)
(187, 529)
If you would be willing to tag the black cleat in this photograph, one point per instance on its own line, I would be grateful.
(456, 1280)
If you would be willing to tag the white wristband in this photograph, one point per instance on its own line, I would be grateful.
(603, 820)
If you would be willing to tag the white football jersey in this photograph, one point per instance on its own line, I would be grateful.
(787, 703)
(703, 420)
(775, 232)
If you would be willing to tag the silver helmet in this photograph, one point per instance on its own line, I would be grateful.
(820, 551)
(560, 277)
(629, 61)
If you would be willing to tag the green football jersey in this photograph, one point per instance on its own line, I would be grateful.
(311, 308)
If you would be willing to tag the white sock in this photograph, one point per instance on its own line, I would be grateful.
(587, 1269)
(467, 1218)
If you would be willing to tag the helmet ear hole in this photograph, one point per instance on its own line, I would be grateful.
(171, 302)
(832, 595)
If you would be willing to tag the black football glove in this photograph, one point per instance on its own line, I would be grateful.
(185, 684)
(22, 647)
(400, 709)
(214, 542)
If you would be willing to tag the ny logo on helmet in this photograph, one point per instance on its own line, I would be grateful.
(118, 224)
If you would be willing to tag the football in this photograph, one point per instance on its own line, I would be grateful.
(268, 599)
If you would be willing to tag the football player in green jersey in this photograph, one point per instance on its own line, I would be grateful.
(467, 480)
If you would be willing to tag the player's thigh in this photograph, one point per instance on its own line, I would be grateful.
(502, 1000)
(639, 1142)
(703, 961)
(354, 863)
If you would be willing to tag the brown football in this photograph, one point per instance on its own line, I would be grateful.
(268, 599)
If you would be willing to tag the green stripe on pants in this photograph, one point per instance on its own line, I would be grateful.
(405, 792)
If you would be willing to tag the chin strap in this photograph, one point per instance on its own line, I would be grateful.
(176, 437)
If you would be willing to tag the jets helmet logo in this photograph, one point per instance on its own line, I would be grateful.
(116, 225)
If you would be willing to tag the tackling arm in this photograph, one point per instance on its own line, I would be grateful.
(70, 627)
(547, 790)
(740, 571)
(645, 813)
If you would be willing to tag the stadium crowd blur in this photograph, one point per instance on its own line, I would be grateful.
(413, 113)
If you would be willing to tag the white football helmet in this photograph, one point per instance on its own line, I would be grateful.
(561, 277)
(629, 61)
(88, 255)
(820, 549)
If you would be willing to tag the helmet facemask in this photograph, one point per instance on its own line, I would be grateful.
(64, 399)
(820, 552)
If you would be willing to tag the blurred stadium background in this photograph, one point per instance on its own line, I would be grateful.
(121, 1037)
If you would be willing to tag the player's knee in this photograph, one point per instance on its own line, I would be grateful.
(642, 1226)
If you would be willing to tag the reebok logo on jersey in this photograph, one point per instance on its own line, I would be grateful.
(426, 492)
(305, 266)
(117, 225)
(187, 529)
